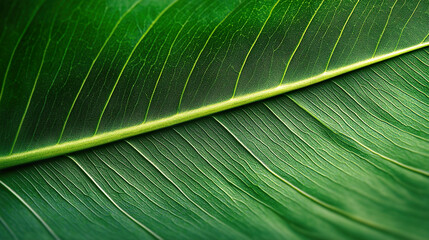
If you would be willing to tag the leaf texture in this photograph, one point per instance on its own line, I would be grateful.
(346, 157)
(77, 74)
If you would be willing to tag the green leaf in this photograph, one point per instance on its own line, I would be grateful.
(344, 158)
(80, 74)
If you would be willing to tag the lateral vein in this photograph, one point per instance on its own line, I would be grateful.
(251, 48)
(198, 57)
(128, 59)
(30, 209)
(162, 70)
(92, 65)
(34, 87)
(384, 29)
(299, 43)
(113, 201)
(16, 47)
(341, 33)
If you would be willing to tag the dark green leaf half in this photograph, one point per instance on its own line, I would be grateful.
(77, 74)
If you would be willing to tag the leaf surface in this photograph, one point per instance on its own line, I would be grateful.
(343, 157)
(346, 157)
(77, 74)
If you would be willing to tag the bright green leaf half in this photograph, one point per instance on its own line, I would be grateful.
(347, 158)
(77, 74)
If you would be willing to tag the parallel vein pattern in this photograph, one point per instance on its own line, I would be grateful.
(74, 77)
(344, 158)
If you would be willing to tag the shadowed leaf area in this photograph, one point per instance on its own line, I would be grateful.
(337, 147)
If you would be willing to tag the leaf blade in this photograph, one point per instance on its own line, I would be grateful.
(41, 139)
(196, 179)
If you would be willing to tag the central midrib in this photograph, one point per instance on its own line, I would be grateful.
(107, 137)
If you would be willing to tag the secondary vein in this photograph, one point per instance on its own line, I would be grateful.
(299, 43)
(16, 47)
(251, 48)
(162, 70)
(128, 59)
(92, 65)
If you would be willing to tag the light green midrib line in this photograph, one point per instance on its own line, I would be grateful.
(107, 137)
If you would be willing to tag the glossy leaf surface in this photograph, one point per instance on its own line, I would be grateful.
(344, 158)
(81, 73)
